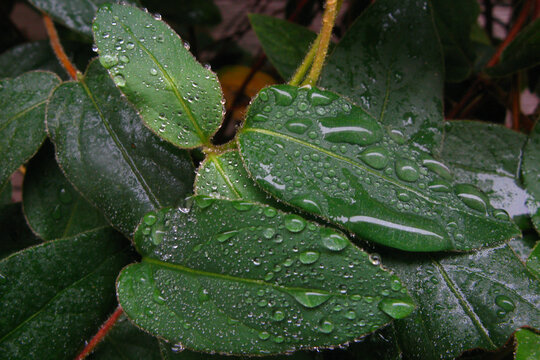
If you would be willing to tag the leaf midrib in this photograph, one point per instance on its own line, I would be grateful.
(219, 168)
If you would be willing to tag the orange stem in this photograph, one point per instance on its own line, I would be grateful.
(107, 326)
(57, 47)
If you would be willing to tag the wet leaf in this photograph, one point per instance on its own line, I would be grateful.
(56, 295)
(16, 235)
(109, 156)
(257, 281)
(390, 64)
(37, 55)
(315, 150)
(177, 97)
(22, 118)
(53, 208)
(531, 174)
(533, 262)
(524, 245)
(494, 167)
(465, 301)
(527, 345)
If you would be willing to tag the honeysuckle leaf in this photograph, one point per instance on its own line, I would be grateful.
(187, 12)
(317, 151)
(109, 156)
(178, 98)
(22, 118)
(494, 168)
(16, 235)
(531, 174)
(527, 344)
(523, 246)
(5, 193)
(465, 301)
(533, 262)
(256, 281)
(57, 294)
(37, 55)
(398, 79)
(53, 208)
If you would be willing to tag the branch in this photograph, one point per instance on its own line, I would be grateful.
(57, 47)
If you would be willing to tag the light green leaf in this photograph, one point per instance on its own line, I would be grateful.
(531, 174)
(22, 118)
(54, 296)
(527, 345)
(109, 156)
(257, 281)
(177, 97)
(315, 150)
(488, 156)
(390, 63)
(533, 262)
(15, 232)
(53, 208)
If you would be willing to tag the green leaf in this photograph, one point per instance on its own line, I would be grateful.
(5, 193)
(465, 301)
(313, 149)
(454, 21)
(22, 118)
(284, 42)
(494, 167)
(55, 295)
(36, 55)
(257, 281)
(75, 14)
(177, 97)
(523, 246)
(53, 208)
(187, 12)
(396, 78)
(522, 53)
(109, 156)
(15, 232)
(527, 345)
(533, 262)
(380, 345)
(531, 174)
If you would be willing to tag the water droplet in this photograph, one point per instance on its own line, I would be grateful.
(332, 240)
(294, 223)
(263, 95)
(150, 219)
(351, 315)
(264, 335)
(204, 201)
(407, 170)
(270, 212)
(309, 257)
(224, 236)
(153, 71)
(268, 233)
(203, 295)
(158, 298)
(439, 186)
(124, 59)
(438, 168)
(472, 197)
(178, 347)
(242, 205)
(284, 97)
(326, 326)
(397, 136)
(501, 214)
(65, 196)
(309, 299)
(3, 279)
(396, 308)
(318, 98)
(298, 126)
(505, 303)
(375, 259)
(279, 339)
(278, 315)
(375, 156)
(157, 16)
(119, 80)
(108, 61)
(358, 130)
(259, 117)
(306, 203)
(130, 45)
(95, 48)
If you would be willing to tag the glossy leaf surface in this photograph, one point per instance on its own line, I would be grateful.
(37, 55)
(314, 150)
(53, 208)
(494, 168)
(284, 42)
(109, 156)
(257, 281)
(177, 97)
(16, 235)
(62, 284)
(465, 301)
(22, 118)
(397, 79)
(527, 345)
(531, 174)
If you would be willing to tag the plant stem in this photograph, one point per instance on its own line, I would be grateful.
(329, 18)
(57, 47)
(306, 63)
(105, 328)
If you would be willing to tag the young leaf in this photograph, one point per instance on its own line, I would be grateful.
(177, 97)
(257, 281)
(465, 301)
(22, 118)
(55, 295)
(313, 149)
(494, 168)
(15, 232)
(109, 156)
(533, 262)
(53, 208)
(284, 42)
(531, 174)
(396, 78)
(527, 345)
(36, 55)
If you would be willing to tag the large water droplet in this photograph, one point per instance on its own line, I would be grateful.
(472, 197)
(224, 236)
(298, 126)
(439, 186)
(332, 240)
(501, 214)
(396, 308)
(150, 219)
(158, 298)
(438, 168)
(326, 326)
(358, 130)
(278, 315)
(203, 295)
(294, 223)
(108, 61)
(375, 156)
(264, 335)
(407, 170)
(204, 201)
(119, 80)
(309, 299)
(505, 303)
(318, 98)
(309, 257)
(284, 97)
(65, 196)
(242, 205)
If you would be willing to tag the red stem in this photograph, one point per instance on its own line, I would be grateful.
(57, 47)
(105, 328)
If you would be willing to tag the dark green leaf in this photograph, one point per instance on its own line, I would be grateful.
(75, 14)
(22, 118)
(5, 193)
(257, 281)
(523, 246)
(488, 156)
(527, 345)
(522, 53)
(315, 150)
(284, 42)
(533, 262)
(177, 97)
(187, 12)
(109, 156)
(454, 21)
(465, 301)
(390, 64)
(15, 232)
(55, 295)
(53, 208)
(531, 174)
(36, 55)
